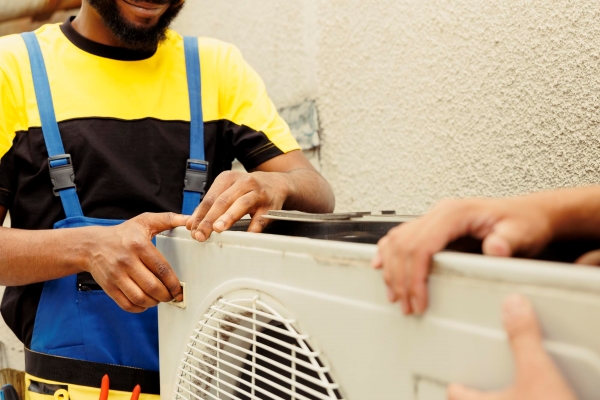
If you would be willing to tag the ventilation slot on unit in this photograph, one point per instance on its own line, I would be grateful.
(244, 349)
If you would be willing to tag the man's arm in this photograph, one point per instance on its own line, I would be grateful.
(122, 259)
(513, 226)
(288, 181)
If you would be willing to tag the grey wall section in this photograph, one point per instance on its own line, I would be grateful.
(424, 99)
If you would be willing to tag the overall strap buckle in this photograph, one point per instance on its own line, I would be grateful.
(196, 176)
(62, 173)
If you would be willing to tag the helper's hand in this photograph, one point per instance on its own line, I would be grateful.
(537, 378)
(235, 194)
(507, 227)
(591, 258)
(130, 269)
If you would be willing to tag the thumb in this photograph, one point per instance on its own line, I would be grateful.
(459, 392)
(505, 240)
(524, 334)
(591, 258)
(156, 223)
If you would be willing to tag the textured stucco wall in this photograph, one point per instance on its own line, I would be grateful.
(424, 99)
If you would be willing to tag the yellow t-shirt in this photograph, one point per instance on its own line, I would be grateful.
(124, 118)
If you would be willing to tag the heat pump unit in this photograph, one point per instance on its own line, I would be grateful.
(270, 316)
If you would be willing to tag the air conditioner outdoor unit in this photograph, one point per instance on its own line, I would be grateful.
(281, 317)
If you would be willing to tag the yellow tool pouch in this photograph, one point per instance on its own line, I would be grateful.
(63, 391)
(59, 378)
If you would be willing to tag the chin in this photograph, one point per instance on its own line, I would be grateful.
(135, 23)
(139, 17)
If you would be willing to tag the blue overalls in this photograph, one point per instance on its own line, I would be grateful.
(87, 324)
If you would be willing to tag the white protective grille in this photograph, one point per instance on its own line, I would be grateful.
(243, 349)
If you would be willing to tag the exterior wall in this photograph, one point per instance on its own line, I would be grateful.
(26, 24)
(424, 99)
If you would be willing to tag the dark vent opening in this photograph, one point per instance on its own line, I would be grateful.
(278, 359)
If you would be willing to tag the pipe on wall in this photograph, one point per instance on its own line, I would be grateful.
(37, 9)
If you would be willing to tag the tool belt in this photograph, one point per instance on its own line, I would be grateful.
(85, 373)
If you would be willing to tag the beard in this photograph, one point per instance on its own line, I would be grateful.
(131, 36)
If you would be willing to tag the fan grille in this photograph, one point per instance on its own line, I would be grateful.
(243, 349)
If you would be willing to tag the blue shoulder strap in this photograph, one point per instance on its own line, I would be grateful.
(59, 163)
(196, 168)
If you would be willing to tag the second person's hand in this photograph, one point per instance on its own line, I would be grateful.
(520, 225)
(536, 375)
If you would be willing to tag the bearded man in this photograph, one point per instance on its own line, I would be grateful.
(105, 117)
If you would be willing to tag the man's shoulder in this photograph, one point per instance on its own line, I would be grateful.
(215, 45)
(209, 47)
(11, 46)
(13, 50)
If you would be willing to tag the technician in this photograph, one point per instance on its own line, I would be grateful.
(105, 117)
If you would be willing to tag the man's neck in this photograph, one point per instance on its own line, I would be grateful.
(89, 24)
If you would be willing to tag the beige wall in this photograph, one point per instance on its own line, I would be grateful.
(25, 24)
(423, 99)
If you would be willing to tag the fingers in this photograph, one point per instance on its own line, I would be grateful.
(524, 335)
(136, 295)
(407, 251)
(522, 327)
(536, 374)
(156, 223)
(258, 223)
(222, 183)
(522, 233)
(496, 245)
(149, 269)
(238, 195)
(226, 189)
(377, 262)
(418, 283)
(242, 206)
(246, 194)
(459, 392)
(122, 300)
(394, 273)
(395, 253)
(507, 238)
(591, 258)
(158, 280)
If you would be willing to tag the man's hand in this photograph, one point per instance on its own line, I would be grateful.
(537, 378)
(287, 181)
(125, 263)
(235, 194)
(507, 227)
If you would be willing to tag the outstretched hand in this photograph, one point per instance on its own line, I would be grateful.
(506, 226)
(130, 269)
(537, 378)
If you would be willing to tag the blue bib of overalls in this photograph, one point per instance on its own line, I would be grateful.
(75, 320)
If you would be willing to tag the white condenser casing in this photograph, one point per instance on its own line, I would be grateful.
(280, 317)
